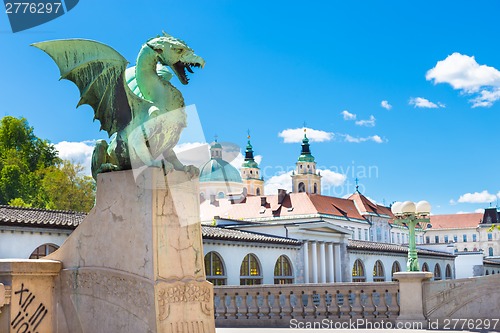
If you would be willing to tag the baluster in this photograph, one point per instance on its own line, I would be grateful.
(320, 304)
(238, 301)
(329, 305)
(230, 307)
(218, 306)
(308, 308)
(344, 307)
(273, 305)
(355, 303)
(393, 306)
(368, 303)
(286, 307)
(261, 306)
(252, 306)
(377, 304)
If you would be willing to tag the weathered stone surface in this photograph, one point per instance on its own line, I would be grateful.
(135, 264)
(31, 295)
(410, 296)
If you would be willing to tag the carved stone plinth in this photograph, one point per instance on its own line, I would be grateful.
(135, 264)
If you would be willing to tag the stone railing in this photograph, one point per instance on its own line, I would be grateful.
(285, 305)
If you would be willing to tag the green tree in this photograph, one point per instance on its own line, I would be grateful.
(32, 174)
(65, 188)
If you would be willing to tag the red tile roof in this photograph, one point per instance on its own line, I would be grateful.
(453, 221)
(293, 204)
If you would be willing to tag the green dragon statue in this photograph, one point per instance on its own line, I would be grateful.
(138, 105)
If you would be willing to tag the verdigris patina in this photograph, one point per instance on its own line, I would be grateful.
(139, 104)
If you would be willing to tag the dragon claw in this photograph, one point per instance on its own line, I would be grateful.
(192, 171)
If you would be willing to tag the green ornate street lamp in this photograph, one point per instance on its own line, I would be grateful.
(410, 214)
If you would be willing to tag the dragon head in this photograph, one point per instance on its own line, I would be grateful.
(176, 54)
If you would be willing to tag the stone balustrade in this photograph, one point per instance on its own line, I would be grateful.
(280, 305)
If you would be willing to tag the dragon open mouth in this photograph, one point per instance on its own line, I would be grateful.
(180, 70)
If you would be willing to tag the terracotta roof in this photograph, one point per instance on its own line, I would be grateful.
(38, 217)
(393, 248)
(212, 232)
(456, 221)
(292, 204)
(366, 206)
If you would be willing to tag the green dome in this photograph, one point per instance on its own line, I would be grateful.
(218, 170)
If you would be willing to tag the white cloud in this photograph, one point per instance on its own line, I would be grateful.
(280, 181)
(479, 210)
(498, 194)
(347, 115)
(331, 178)
(374, 138)
(238, 161)
(77, 152)
(477, 197)
(463, 73)
(386, 105)
(297, 134)
(366, 122)
(420, 102)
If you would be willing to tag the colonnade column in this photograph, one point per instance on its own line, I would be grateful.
(338, 264)
(322, 263)
(331, 263)
(314, 259)
(306, 262)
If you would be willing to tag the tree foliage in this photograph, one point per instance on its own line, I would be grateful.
(32, 174)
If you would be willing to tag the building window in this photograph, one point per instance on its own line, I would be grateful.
(315, 188)
(425, 267)
(43, 250)
(474, 238)
(214, 269)
(358, 271)
(399, 238)
(487, 272)
(446, 240)
(465, 249)
(378, 272)
(302, 187)
(258, 191)
(490, 251)
(283, 273)
(379, 234)
(427, 239)
(437, 273)
(490, 236)
(455, 238)
(396, 267)
(366, 234)
(250, 273)
(359, 233)
(465, 238)
(448, 272)
(436, 239)
(221, 195)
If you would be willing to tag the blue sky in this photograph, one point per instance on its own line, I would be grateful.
(271, 66)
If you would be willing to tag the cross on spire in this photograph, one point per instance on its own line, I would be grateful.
(357, 184)
(215, 137)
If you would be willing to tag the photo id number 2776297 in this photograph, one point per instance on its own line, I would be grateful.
(33, 7)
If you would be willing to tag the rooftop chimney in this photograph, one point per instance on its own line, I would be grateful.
(281, 195)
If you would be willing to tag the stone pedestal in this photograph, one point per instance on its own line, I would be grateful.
(30, 295)
(410, 297)
(135, 264)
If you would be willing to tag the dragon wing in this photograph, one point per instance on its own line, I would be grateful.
(99, 73)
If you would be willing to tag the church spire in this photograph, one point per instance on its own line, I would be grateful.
(250, 172)
(249, 159)
(305, 154)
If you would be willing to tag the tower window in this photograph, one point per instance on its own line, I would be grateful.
(315, 188)
(258, 191)
(302, 187)
(251, 172)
